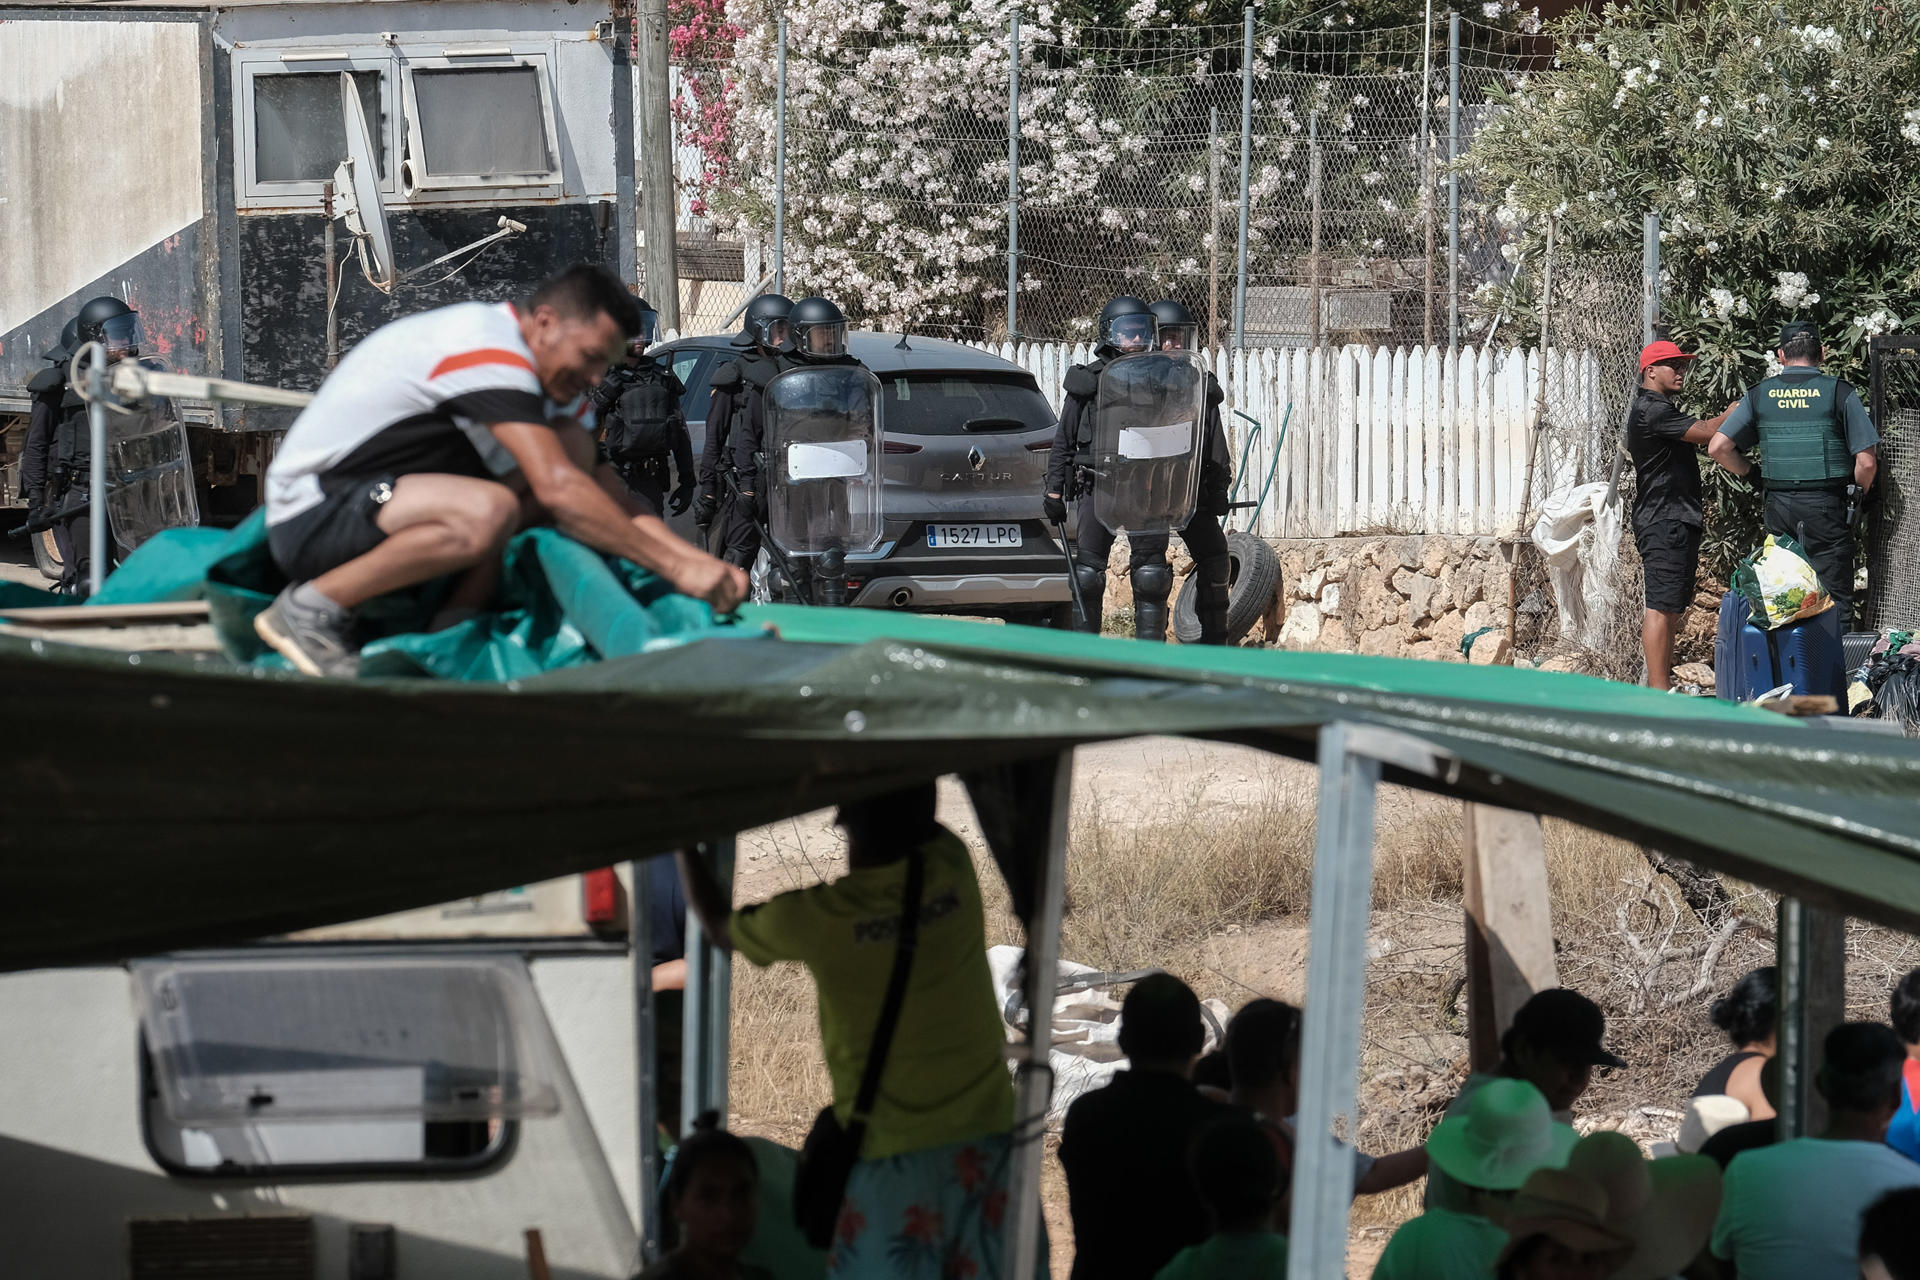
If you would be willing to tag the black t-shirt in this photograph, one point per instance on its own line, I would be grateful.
(1124, 1149)
(1665, 465)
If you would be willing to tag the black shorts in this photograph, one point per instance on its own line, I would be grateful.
(1670, 561)
(341, 528)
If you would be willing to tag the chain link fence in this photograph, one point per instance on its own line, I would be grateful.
(879, 174)
(1893, 527)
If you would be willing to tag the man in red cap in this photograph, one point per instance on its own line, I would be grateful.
(1665, 445)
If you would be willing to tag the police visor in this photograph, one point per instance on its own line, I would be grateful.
(1130, 333)
(1179, 337)
(649, 330)
(121, 334)
(770, 333)
(828, 339)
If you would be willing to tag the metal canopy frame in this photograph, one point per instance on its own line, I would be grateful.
(1353, 760)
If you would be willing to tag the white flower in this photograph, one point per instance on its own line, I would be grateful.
(1756, 42)
(1823, 144)
(1877, 322)
(1825, 38)
(1619, 99)
(1586, 46)
(1699, 118)
(1491, 9)
(1653, 64)
(1790, 289)
(1325, 22)
(1716, 122)
(1773, 364)
(1911, 129)
(1705, 101)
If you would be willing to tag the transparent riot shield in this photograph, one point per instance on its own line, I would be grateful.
(1149, 416)
(823, 460)
(149, 472)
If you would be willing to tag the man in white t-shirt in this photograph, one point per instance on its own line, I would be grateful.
(1793, 1210)
(433, 441)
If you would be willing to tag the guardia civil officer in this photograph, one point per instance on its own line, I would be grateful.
(116, 327)
(643, 432)
(1127, 327)
(816, 336)
(1815, 440)
(53, 397)
(736, 409)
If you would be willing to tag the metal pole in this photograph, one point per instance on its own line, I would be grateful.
(703, 1055)
(1649, 314)
(1246, 182)
(1313, 182)
(646, 1058)
(780, 164)
(1034, 1080)
(1013, 174)
(333, 277)
(1790, 1041)
(1213, 227)
(1453, 182)
(659, 200)
(97, 516)
(1426, 166)
(1336, 988)
(1649, 276)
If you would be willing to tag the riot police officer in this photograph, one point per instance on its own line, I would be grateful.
(1177, 330)
(736, 410)
(816, 337)
(53, 398)
(1128, 326)
(643, 432)
(116, 327)
(1816, 442)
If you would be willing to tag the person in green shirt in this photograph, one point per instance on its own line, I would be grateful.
(929, 1194)
(1504, 1132)
(1238, 1175)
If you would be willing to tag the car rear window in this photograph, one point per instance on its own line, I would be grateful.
(934, 404)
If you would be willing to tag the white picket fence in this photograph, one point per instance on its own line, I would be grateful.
(1407, 441)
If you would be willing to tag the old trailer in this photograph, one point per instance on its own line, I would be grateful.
(181, 157)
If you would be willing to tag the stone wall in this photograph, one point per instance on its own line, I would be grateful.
(1403, 597)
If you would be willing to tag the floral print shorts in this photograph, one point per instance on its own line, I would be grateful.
(936, 1214)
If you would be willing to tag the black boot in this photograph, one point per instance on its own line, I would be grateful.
(1213, 588)
(1152, 585)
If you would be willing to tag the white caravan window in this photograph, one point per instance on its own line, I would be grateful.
(322, 1064)
(480, 121)
(289, 135)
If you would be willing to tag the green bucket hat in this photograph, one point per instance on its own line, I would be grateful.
(1504, 1133)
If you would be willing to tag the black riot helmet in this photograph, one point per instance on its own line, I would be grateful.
(69, 342)
(766, 320)
(1126, 325)
(818, 329)
(112, 323)
(649, 328)
(1175, 329)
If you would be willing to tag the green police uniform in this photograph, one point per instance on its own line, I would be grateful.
(1808, 427)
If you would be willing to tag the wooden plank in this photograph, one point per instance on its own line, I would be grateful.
(107, 615)
(1509, 925)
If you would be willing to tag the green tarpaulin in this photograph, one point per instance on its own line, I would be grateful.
(156, 802)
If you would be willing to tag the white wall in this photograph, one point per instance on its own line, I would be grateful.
(1406, 441)
(99, 151)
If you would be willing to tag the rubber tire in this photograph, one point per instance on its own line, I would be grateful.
(1254, 572)
(46, 556)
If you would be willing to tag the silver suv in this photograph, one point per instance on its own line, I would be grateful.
(967, 435)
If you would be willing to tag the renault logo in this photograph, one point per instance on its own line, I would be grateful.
(975, 458)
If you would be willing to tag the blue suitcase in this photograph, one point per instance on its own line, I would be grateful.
(1811, 656)
(1743, 660)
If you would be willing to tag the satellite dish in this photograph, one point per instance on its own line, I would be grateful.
(357, 184)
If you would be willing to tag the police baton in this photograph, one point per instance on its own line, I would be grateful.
(48, 519)
(1073, 581)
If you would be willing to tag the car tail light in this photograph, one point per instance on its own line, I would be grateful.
(898, 446)
(600, 897)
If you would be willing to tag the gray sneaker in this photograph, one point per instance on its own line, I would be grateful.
(316, 640)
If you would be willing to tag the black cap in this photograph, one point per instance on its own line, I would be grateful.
(1566, 1025)
(1798, 328)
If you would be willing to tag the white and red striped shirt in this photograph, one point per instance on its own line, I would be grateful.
(418, 395)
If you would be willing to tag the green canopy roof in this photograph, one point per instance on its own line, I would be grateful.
(153, 802)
